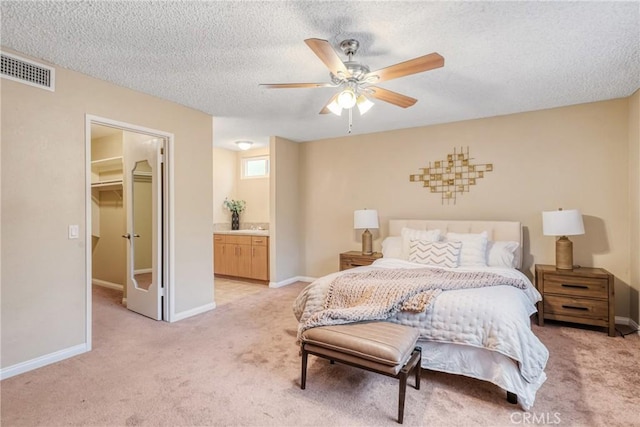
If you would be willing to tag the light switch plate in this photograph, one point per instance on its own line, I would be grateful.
(74, 231)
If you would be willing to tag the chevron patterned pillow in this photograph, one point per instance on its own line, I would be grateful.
(442, 254)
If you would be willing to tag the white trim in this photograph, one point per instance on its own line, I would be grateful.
(193, 312)
(41, 361)
(143, 271)
(106, 284)
(88, 255)
(169, 230)
(291, 281)
(629, 322)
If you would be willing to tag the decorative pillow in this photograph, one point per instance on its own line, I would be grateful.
(409, 234)
(474, 248)
(392, 247)
(502, 253)
(442, 254)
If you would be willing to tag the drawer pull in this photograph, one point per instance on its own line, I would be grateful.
(571, 307)
(569, 285)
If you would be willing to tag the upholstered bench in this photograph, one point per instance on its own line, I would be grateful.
(382, 347)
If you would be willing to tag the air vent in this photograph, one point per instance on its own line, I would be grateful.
(27, 72)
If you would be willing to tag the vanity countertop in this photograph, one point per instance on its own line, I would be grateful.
(244, 232)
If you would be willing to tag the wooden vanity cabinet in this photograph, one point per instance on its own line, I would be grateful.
(241, 256)
(260, 258)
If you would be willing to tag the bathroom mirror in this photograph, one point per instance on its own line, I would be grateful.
(142, 232)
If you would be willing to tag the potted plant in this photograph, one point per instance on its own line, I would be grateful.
(235, 206)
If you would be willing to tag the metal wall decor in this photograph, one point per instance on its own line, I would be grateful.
(452, 176)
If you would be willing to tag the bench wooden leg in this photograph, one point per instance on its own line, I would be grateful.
(412, 365)
(403, 392)
(418, 367)
(303, 377)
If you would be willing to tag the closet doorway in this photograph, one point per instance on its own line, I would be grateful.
(128, 215)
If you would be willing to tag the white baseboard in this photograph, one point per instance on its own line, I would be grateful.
(41, 361)
(193, 312)
(106, 284)
(290, 281)
(629, 322)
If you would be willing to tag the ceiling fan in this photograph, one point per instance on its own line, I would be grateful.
(356, 81)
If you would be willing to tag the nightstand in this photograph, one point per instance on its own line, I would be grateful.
(582, 295)
(353, 259)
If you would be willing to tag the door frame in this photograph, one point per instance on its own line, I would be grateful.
(167, 213)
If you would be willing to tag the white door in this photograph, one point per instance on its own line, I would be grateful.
(142, 182)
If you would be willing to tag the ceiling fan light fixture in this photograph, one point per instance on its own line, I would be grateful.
(364, 104)
(244, 145)
(347, 98)
(335, 108)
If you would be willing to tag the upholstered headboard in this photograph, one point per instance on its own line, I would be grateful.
(497, 230)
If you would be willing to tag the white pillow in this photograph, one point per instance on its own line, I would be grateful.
(392, 247)
(474, 248)
(442, 254)
(502, 253)
(409, 234)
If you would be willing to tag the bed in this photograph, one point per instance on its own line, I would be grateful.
(479, 331)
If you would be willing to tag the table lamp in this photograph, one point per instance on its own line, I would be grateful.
(563, 223)
(366, 219)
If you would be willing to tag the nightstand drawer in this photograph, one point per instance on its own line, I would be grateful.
(576, 307)
(354, 259)
(583, 287)
(354, 262)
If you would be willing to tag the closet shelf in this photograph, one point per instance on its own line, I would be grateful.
(108, 164)
(114, 184)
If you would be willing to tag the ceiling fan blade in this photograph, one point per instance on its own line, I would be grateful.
(325, 52)
(390, 97)
(325, 109)
(294, 85)
(412, 66)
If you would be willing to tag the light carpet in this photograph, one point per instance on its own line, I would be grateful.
(238, 365)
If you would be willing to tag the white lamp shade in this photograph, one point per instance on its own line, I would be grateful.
(562, 223)
(364, 104)
(335, 108)
(365, 218)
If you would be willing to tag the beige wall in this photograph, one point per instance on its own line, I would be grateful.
(224, 183)
(287, 236)
(572, 157)
(227, 170)
(43, 295)
(109, 252)
(254, 191)
(634, 201)
(107, 146)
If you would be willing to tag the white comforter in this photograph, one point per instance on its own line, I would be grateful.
(494, 318)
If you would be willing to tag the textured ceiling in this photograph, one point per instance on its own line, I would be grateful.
(500, 57)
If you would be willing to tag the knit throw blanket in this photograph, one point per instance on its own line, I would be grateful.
(381, 293)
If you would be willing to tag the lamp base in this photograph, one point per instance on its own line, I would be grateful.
(564, 253)
(367, 246)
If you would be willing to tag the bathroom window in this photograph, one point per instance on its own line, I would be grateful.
(255, 167)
